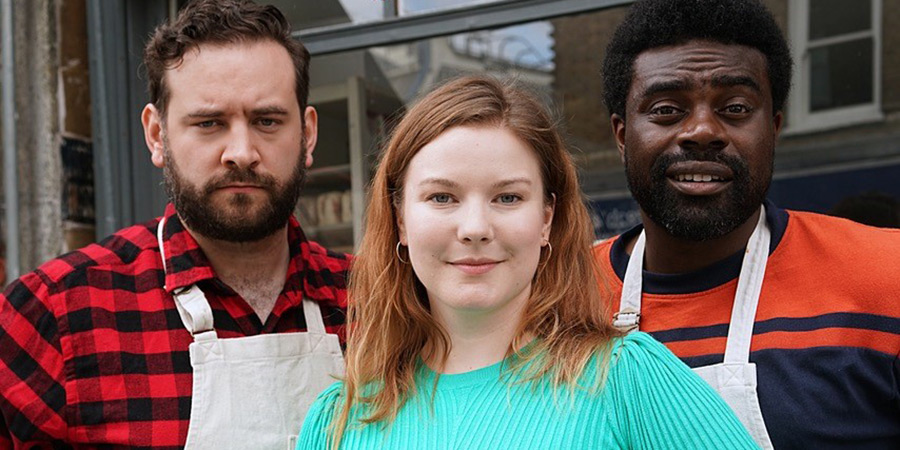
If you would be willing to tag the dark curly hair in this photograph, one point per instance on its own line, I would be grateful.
(658, 23)
(219, 22)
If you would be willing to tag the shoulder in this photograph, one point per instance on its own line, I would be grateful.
(119, 253)
(840, 244)
(322, 409)
(640, 362)
(325, 275)
(323, 257)
(314, 433)
(120, 249)
(331, 395)
(659, 403)
(325, 403)
(602, 246)
(642, 369)
(639, 349)
(840, 232)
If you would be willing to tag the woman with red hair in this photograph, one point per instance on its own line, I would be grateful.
(476, 317)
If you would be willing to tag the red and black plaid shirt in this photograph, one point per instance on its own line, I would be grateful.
(93, 351)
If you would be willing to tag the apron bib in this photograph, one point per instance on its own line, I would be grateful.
(253, 392)
(735, 378)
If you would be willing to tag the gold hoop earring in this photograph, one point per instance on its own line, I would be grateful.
(397, 250)
(549, 252)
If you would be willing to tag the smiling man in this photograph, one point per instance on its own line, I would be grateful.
(794, 318)
(205, 328)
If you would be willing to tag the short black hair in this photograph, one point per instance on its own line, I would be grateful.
(658, 23)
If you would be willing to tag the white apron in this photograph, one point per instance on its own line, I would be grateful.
(735, 378)
(253, 392)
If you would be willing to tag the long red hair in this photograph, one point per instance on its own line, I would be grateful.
(391, 322)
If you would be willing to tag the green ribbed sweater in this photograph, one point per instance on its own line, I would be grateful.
(651, 400)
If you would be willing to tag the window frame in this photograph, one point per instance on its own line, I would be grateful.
(800, 118)
(446, 22)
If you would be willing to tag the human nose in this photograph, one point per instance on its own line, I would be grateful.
(703, 130)
(475, 224)
(240, 150)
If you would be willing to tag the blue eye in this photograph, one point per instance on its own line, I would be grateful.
(509, 199)
(440, 198)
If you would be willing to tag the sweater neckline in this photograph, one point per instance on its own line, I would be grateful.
(476, 377)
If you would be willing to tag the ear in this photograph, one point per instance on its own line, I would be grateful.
(401, 227)
(618, 129)
(153, 134)
(778, 122)
(311, 131)
(549, 209)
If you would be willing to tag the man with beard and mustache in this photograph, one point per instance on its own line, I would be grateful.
(212, 326)
(792, 317)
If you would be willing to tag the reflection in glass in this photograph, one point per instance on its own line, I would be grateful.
(841, 75)
(409, 7)
(522, 51)
(320, 13)
(829, 18)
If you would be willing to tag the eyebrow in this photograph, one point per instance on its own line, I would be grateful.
(440, 181)
(511, 181)
(735, 80)
(205, 114)
(214, 113)
(666, 86)
(269, 110)
(452, 184)
(717, 81)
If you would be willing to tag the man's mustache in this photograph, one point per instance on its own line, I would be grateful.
(243, 176)
(737, 165)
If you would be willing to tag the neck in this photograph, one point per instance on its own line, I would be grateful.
(668, 254)
(478, 338)
(255, 270)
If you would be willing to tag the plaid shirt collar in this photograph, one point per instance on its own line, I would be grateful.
(186, 264)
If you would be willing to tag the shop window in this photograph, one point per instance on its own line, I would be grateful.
(410, 7)
(837, 51)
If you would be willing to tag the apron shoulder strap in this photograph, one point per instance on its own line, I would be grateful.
(313, 316)
(629, 316)
(194, 310)
(746, 299)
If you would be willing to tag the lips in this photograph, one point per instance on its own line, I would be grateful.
(239, 187)
(475, 266)
(699, 177)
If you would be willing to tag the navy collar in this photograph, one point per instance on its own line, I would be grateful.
(700, 280)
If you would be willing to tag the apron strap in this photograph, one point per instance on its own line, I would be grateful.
(192, 306)
(629, 316)
(313, 316)
(195, 312)
(159, 240)
(746, 299)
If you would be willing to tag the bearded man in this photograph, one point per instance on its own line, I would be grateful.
(792, 317)
(212, 326)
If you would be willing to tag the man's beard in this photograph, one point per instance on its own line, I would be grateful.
(196, 208)
(698, 218)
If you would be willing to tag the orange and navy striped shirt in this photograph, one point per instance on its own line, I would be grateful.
(826, 340)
